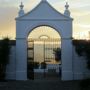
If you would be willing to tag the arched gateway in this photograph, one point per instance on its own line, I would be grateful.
(43, 15)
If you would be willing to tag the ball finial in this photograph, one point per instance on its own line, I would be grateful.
(21, 6)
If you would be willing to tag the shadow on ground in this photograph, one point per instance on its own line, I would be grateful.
(40, 85)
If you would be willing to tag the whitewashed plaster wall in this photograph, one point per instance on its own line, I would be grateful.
(11, 67)
(80, 70)
(79, 66)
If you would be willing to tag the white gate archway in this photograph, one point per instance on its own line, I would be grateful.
(43, 41)
(38, 17)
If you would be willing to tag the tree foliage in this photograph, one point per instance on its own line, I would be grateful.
(82, 48)
(4, 55)
(57, 53)
(4, 51)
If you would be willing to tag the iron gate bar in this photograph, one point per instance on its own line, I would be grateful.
(48, 46)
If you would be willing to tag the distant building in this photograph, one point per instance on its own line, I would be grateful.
(72, 67)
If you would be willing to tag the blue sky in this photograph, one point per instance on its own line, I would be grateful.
(80, 11)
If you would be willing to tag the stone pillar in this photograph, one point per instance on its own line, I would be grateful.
(67, 66)
(21, 59)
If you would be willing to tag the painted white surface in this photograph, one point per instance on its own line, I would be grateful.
(21, 59)
(43, 11)
(43, 14)
(11, 67)
(79, 70)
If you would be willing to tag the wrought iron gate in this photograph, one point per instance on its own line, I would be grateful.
(41, 50)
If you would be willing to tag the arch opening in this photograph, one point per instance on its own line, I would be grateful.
(44, 53)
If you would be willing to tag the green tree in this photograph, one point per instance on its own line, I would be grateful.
(4, 56)
(82, 48)
(57, 53)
